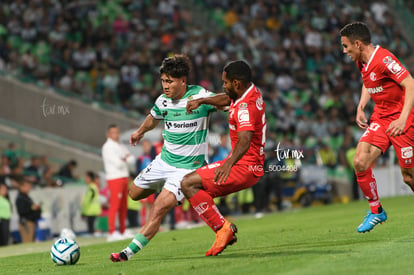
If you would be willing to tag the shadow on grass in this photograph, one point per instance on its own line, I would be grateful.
(270, 252)
(289, 249)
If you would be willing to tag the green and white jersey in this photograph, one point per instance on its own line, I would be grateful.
(185, 135)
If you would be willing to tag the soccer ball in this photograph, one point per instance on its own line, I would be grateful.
(68, 234)
(65, 252)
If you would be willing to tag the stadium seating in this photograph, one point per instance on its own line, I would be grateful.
(108, 52)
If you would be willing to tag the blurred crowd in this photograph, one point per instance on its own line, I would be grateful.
(109, 51)
(36, 169)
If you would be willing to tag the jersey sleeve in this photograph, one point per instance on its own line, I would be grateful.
(246, 116)
(203, 93)
(393, 69)
(155, 111)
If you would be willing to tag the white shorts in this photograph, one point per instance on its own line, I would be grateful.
(159, 174)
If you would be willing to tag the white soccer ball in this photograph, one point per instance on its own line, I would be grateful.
(68, 234)
(65, 252)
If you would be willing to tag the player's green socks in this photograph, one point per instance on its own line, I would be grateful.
(138, 243)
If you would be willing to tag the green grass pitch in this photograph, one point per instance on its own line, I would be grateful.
(316, 240)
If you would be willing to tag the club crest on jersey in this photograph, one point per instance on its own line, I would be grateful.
(373, 76)
(407, 152)
(243, 105)
(259, 103)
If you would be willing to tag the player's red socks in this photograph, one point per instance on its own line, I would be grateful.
(368, 185)
(204, 205)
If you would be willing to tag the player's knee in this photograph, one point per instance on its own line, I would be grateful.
(191, 184)
(188, 184)
(409, 180)
(360, 165)
(133, 196)
(185, 183)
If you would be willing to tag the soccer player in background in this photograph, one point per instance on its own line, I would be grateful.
(185, 147)
(244, 165)
(391, 87)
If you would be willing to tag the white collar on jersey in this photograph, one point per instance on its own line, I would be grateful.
(244, 94)
(372, 57)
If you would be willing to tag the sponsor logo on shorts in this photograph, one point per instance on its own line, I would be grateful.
(407, 152)
(213, 165)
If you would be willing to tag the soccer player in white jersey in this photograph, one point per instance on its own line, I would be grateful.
(185, 147)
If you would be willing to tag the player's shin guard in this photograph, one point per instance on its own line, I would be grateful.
(204, 205)
(368, 185)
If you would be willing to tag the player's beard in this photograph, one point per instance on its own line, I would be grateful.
(231, 93)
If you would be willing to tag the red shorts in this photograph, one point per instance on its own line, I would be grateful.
(403, 144)
(240, 178)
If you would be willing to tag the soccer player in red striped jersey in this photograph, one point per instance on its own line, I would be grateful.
(244, 165)
(391, 87)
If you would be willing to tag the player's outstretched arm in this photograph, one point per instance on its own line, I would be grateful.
(241, 147)
(397, 126)
(149, 123)
(361, 119)
(219, 101)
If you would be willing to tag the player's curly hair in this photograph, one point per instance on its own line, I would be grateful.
(356, 31)
(239, 70)
(176, 66)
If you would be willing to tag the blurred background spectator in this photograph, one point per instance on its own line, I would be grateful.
(5, 214)
(66, 172)
(91, 205)
(29, 211)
